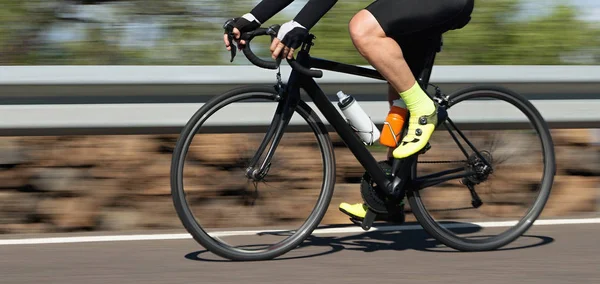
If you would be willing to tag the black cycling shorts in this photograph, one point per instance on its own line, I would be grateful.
(420, 18)
(417, 25)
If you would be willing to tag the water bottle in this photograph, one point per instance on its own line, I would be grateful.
(358, 118)
(392, 127)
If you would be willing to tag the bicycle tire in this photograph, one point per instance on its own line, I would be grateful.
(178, 196)
(451, 240)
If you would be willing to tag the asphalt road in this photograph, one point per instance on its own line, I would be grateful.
(546, 254)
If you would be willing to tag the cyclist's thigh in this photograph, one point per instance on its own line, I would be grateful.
(415, 18)
(418, 24)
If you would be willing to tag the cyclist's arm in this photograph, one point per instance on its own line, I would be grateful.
(312, 12)
(266, 9)
(308, 16)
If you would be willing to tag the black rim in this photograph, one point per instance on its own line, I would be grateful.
(535, 209)
(318, 210)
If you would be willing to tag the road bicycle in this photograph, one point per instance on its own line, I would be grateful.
(384, 184)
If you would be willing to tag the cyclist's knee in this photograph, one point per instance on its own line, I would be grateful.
(364, 26)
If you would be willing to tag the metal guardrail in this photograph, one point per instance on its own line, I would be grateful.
(59, 100)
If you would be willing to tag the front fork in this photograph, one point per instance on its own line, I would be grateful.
(288, 98)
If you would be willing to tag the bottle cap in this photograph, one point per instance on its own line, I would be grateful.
(341, 95)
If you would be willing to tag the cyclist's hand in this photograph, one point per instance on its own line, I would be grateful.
(290, 37)
(243, 24)
(236, 35)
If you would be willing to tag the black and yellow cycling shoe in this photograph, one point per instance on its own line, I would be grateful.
(420, 129)
(358, 211)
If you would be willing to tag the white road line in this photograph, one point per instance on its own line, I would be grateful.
(350, 229)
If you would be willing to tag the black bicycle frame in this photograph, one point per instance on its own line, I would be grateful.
(404, 170)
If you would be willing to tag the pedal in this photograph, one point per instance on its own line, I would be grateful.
(367, 222)
(356, 221)
(425, 149)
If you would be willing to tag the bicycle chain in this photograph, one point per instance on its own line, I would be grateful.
(443, 162)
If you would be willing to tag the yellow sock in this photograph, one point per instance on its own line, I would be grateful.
(417, 100)
(419, 105)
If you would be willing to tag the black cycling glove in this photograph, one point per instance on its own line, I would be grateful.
(292, 34)
(246, 23)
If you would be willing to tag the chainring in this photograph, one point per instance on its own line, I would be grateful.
(377, 202)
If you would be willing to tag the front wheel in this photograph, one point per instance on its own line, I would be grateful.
(508, 132)
(214, 195)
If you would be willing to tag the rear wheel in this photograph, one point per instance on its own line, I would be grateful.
(513, 194)
(212, 191)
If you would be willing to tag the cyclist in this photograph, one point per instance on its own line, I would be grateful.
(390, 35)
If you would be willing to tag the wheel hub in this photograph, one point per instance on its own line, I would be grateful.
(480, 167)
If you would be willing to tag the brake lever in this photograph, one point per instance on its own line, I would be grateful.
(232, 45)
(228, 26)
(272, 31)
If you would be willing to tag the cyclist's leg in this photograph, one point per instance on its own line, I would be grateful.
(376, 32)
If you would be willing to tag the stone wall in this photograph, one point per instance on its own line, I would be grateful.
(74, 183)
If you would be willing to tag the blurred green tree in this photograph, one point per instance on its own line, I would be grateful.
(496, 36)
(20, 26)
(188, 32)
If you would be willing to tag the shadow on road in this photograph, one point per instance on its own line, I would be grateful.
(375, 241)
